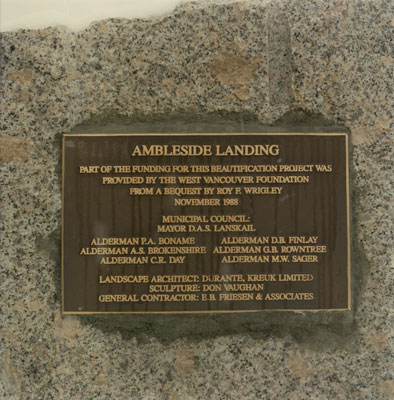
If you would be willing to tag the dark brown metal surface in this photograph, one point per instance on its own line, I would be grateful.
(317, 210)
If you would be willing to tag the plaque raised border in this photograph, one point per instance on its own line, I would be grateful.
(200, 135)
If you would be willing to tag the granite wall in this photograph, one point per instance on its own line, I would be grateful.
(286, 64)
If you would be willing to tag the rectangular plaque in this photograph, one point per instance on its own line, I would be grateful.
(197, 223)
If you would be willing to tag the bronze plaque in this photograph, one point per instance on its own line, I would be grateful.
(197, 223)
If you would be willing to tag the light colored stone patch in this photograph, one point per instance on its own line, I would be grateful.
(239, 46)
(12, 149)
(103, 26)
(63, 370)
(67, 328)
(168, 82)
(298, 366)
(72, 75)
(9, 375)
(378, 341)
(242, 93)
(21, 76)
(360, 134)
(230, 69)
(35, 305)
(174, 395)
(93, 110)
(184, 362)
(182, 90)
(382, 124)
(387, 60)
(336, 8)
(24, 95)
(101, 379)
(386, 388)
(9, 336)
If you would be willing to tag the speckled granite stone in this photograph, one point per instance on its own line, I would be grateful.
(262, 59)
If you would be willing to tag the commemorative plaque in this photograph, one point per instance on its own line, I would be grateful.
(197, 223)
